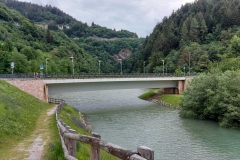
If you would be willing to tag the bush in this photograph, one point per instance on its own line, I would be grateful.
(214, 96)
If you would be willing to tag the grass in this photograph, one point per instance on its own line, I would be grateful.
(173, 99)
(150, 94)
(19, 115)
(53, 149)
(71, 117)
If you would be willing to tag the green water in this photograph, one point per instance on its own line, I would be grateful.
(123, 119)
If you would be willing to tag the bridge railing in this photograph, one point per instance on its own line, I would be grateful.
(86, 76)
(69, 137)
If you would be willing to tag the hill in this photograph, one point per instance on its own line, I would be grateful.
(27, 45)
(61, 37)
(194, 38)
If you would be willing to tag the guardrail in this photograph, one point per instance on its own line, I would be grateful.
(69, 137)
(85, 76)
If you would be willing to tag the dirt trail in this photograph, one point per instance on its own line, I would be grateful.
(32, 147)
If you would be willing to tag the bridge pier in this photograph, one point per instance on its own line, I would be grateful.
(182, 85)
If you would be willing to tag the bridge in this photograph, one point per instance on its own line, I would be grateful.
(77, 85)
(42, 87)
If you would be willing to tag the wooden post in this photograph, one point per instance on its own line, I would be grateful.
(72, 145)
(146, 152)
(95, 151)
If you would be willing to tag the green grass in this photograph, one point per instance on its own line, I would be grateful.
(70, 116)
(54, 149)
(149, 94)
(19, 112)
(173, 99)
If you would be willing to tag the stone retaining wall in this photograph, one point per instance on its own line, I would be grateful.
(35, 87)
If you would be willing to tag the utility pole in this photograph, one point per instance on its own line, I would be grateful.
(163, 67)
(72, 64)
(99, 63)
(189, 63)
(46, 64)
(144, 66)
(120, 60)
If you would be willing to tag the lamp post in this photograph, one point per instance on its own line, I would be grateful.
(163, 66)
(184, 70)
(99, 63)
(144, 62)
(72, 63)
(120, 60)
(189, 63)
(46, 64)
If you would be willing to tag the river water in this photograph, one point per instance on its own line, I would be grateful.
(123, 119)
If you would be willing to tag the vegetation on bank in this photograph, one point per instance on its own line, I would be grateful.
(73, 118)
(173, 99)
(214, 96)
(157, 94)
(18, 116)
(149, 94)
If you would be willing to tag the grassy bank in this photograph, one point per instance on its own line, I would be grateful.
(72, 117)
(19, 113)
(151, 93)
(157, 94)
(173, 99)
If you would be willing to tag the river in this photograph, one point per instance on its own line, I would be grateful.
(123, 119)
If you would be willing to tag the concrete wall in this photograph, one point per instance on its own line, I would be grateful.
(36, 88)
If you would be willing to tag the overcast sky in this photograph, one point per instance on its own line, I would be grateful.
(139, 16)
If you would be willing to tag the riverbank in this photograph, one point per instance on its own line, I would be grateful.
(158, 97)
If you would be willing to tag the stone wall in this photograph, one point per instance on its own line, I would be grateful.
(35, 87)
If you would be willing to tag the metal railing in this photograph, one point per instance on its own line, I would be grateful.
(86, 76)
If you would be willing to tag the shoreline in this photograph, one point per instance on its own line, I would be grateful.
(157, 100)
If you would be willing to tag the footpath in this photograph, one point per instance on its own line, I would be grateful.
(32, 148)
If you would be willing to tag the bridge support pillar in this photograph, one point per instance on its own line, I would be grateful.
(181, 87)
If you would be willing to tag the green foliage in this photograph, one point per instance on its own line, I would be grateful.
(209, 25)
(150, 94)
(173, 99)
(72, 117)
(214, 96)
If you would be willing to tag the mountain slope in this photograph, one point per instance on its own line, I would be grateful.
(27, 45)
(201, 30)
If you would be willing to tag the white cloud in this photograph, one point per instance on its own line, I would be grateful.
(139, 16)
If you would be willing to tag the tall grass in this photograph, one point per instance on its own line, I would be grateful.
(18, 115)
(71, 116)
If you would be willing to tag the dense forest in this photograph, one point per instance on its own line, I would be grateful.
(197, 37)
(203, 34)
(28, 43)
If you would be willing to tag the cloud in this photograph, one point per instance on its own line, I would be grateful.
(139, 16)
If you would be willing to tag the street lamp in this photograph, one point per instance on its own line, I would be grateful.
(120, 60)
(46, 64)
(72, 63)
(163, 66)
(99, 63)
(144, 62)
(184, 70)
(189, 62)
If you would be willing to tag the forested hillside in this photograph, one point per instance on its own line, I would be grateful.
(53, 35)
(28, 46)
(203, 34)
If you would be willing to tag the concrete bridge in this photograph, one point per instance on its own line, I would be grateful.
(41, 88)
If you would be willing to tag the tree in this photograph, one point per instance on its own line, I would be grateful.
(235, 45)
(214, 96)
(48, 36)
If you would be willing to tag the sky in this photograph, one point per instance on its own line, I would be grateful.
(138, 16)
